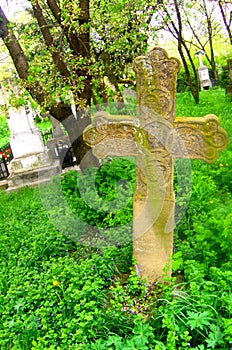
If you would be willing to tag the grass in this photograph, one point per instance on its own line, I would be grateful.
(212, 101)
(57, 293)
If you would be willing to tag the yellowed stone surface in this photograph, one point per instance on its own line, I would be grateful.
(155, 138)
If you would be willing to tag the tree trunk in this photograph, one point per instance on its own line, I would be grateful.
(194, 89)
(210, 32)
(45, 30)
(181, 43)
(14, 48)
(75, 128)
(227, 24)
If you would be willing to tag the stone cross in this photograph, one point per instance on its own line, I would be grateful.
(155, 137)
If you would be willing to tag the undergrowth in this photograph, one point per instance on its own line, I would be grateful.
(58, 292)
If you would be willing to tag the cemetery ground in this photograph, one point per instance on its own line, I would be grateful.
(60, 294)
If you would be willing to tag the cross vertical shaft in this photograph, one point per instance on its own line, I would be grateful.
(156, 88)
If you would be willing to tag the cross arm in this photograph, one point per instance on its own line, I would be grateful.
(111, 135)
(202, 138)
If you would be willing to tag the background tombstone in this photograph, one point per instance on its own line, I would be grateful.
(58, 136)
(57, 131)
(129, 95)
(203, 72)
(31, 158)
(155, 138)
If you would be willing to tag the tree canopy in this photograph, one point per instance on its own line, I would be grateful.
(70, 50)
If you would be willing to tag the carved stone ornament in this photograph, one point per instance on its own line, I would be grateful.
(156, 83)
(203, 138)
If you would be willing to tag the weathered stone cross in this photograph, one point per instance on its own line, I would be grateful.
(155, 137)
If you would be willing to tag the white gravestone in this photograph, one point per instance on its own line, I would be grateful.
(31, 157)
(203, 72)
(25, 136)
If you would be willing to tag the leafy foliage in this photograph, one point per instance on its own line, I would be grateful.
(110, 184)
(61, 294)
(4, 131)
(114, 35)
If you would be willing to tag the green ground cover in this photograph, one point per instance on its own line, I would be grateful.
(57, 293)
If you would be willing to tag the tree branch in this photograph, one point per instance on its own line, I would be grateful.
(225, 21)
(59, 111)
(55, 53)
(71, 37)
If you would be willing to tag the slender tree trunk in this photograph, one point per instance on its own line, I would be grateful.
(210, 32)
(181, 43)
(194, 89)
(227, 25)
(45, 30)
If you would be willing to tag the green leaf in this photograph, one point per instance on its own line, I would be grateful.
(215, 337)
(198, 319)
(20, 304)
(177, 261)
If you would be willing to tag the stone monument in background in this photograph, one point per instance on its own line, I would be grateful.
(203, 72)
(31, 157)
